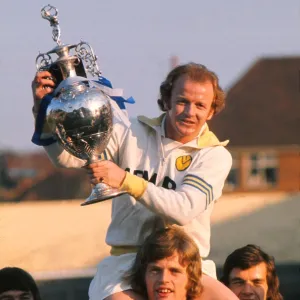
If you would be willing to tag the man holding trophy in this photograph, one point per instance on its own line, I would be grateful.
(171, 168)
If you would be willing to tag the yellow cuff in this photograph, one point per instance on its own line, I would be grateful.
(134, 185)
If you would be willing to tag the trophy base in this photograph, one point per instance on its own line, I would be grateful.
(102, 192)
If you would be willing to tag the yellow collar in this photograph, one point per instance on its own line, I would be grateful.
(206, 139)
(152, 122)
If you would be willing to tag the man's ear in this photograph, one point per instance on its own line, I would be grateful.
(210, 115)
(166, 106)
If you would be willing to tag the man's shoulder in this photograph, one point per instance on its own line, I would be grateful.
(139, 129)
(145, 123)
(137, 124)
(221, 150)
(217, 153)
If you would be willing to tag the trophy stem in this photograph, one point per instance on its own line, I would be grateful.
(66, 62)
(101, 191)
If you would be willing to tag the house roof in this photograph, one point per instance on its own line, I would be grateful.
(263, 106)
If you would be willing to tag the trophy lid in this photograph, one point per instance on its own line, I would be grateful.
(81, 60)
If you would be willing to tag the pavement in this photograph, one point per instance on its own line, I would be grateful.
(274, 225)
(54, 239)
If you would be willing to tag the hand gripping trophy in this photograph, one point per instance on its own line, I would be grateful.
(79, 112)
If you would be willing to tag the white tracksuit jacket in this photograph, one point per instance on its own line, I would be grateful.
(184, 179)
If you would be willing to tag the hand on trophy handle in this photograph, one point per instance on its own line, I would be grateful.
(105, 171)
(42, 84)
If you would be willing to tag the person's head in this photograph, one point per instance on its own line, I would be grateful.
(17, 284)
(168, 265)
(190, 95)
(251, 274)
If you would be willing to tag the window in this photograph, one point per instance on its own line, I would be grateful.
(262, 170)
(232, 181)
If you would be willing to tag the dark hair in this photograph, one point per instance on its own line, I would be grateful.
(161, 244)
(250, 256)
(16, 279)
(195, 72)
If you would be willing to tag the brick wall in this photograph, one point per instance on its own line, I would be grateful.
(289, 171)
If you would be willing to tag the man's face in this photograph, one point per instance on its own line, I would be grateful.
(249, 284)
(190, 107)
(166, 279)
(16, 295)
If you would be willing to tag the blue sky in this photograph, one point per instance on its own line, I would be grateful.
(134, 41)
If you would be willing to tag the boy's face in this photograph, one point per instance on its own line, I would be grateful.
(166, 279)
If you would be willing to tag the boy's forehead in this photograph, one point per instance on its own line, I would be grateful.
(170, 260)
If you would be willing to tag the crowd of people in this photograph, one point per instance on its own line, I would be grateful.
(173, 169)
(168, 265)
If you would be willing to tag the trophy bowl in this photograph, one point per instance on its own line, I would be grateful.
(80, 115)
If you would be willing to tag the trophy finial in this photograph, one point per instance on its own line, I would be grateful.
(68, 63)
(50, 13)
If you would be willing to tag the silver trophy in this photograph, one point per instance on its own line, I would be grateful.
(80, 113)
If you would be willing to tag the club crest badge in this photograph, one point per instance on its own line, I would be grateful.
(183, 162)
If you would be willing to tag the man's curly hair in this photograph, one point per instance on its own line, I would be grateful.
(161, 244)
(197, 73)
